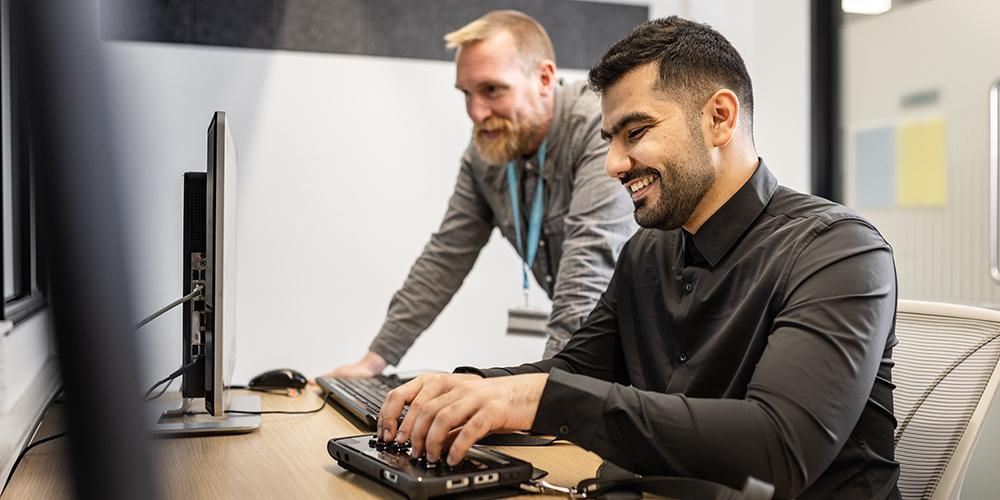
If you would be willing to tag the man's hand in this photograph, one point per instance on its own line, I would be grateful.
(370, 365)
(455, 411)
(414, 393)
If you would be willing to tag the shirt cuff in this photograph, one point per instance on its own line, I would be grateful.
(391, 344)
(572, 407)
(485, 373)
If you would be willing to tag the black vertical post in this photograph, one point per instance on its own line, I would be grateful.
(81, 214)
(825, 155)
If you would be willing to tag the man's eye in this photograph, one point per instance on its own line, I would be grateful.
(636, 134)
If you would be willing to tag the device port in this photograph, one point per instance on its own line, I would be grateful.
(454, 484)
(390, 476)
(486, 478)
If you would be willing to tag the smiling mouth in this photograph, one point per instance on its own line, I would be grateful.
(639, 187)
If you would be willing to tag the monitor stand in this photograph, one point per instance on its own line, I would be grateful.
(169, 417)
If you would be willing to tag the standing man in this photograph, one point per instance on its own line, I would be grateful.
(535, 170)
(747, 330)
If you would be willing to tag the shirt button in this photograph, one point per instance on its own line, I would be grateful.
(683, 357)
(688, 287)
(548, 278)
(541, 243)
(563, 429)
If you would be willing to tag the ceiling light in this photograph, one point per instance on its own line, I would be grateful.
(870, 7)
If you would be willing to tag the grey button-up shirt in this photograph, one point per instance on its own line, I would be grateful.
(588, 217)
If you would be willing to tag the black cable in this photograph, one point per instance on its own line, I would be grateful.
(283, 391)
(151, 389)
(27, 449)
(169, 378)
(163, 391)
(267, 412)
(40, 441)
(196, 292)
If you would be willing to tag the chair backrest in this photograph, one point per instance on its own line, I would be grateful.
(946, 376)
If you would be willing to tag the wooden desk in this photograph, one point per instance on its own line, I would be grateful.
(285, 458)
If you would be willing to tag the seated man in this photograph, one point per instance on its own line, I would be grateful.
(747, 329)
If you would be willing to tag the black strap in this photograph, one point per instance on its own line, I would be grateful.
(615, 483)
(677, 487)
(517, 439)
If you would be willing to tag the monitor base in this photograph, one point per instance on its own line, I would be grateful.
(172, 418)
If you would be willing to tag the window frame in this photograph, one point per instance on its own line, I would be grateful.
(28, 295)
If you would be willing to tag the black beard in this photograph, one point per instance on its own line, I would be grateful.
(676, 203)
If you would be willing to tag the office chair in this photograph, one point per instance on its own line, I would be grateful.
(946, 376)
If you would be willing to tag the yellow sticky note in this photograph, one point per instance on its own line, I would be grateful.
(921, 175)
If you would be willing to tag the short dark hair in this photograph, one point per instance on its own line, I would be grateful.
(694, 61)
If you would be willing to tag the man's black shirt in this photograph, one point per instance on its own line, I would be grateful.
(760, 345)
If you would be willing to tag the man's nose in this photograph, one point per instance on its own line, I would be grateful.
(618, 162)
(478, 110)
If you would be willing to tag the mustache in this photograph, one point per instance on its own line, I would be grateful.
(494, 123)
(639, 172)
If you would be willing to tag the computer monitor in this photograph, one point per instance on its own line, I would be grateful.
(209, 320)
(220, 271)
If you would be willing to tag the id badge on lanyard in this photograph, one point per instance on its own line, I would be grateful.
(527, 320)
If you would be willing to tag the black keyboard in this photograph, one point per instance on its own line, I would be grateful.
(362, 397)
(392, 465)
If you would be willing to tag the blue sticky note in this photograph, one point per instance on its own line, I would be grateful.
(875, 174)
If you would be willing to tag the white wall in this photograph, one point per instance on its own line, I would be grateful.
(346, 164)
(941, 252)
(773, 38)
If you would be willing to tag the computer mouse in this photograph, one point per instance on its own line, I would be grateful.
(278, 379)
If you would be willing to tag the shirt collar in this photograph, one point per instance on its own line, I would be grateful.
(725, 227)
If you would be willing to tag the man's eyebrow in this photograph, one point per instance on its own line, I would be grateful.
(635, 116)
(488, 83)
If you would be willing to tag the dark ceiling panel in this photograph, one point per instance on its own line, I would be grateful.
(580, 31)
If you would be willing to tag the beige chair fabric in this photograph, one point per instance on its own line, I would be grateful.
(946, 376)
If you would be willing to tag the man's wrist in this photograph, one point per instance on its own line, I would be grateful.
(374, 362)
(535, 386)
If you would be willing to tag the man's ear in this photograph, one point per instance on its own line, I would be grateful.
(722, 113)
(546, 77)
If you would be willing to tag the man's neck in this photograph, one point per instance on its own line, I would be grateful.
(732, 175)
(536, 142)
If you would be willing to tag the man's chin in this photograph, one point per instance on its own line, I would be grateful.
(494, 155)
(645, 217)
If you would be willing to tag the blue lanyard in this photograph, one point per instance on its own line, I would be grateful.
(535, 219)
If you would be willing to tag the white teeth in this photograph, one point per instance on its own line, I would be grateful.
(640, 184)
